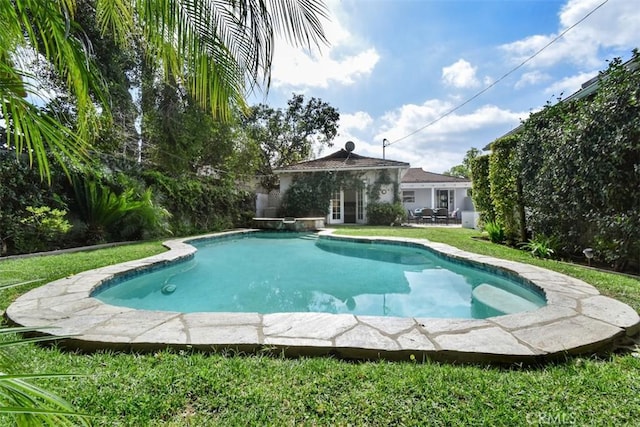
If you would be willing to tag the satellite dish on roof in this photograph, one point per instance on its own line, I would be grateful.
(349, 146)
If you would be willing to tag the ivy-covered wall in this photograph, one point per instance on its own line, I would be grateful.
(575, 166)
(504, 178)
(481, 189)
(309, 193)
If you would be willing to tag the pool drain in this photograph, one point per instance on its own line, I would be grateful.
(168, 289)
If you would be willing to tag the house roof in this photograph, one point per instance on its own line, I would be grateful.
(342, 160)
(415, 175)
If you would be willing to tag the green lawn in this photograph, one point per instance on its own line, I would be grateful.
(177, 388)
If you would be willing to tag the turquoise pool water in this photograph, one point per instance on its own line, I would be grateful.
(269, 272)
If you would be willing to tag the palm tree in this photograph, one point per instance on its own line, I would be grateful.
(217, 49)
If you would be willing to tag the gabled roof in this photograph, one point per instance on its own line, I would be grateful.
(342, 160)
(415, 175)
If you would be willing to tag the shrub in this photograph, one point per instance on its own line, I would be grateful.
(21, 187)
(42, 228)
(504, 184)
(201, 204)
(308, 195)
(121, 216)
(614, 240)
(540, 246)
(580, 168)
(386, 213)
(495, 231)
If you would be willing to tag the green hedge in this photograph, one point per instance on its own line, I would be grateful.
(481, 189)
(504, 179)
(386, 213)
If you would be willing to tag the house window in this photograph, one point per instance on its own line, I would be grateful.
(408, 197)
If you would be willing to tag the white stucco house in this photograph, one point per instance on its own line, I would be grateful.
(416, 188)
(349, 205)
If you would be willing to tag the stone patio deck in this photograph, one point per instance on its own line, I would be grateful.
(576, 320)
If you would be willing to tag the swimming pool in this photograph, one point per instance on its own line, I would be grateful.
(280, 272)
(575, 320)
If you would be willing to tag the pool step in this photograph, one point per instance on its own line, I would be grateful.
(309, 237)
(498, 301)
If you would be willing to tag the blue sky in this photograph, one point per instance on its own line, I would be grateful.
(393, 66)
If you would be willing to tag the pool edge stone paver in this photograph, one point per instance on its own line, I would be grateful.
(576, 319)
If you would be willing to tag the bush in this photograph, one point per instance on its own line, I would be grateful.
(504, 180)
(41, 229)
(614, 239)
(112, 216)
(495, 231)
(580, 168)
(386, 213)
(20, 188)
(309, 195)
(201, 204)
(540, 246)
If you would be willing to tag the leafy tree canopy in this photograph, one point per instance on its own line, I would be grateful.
(216, 49)
(464, 170)
(288, 136)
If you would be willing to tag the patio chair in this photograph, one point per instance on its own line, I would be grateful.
(411, 217)
(427, 215)
(456, 216)
(442, 215)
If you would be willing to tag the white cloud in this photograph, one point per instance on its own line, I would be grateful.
(532, 78)
(460, 74)
(345, 61)
(569, 85)
(298, 69)
(357, 121)
(437, 147)
(409, 118)
(613, 26)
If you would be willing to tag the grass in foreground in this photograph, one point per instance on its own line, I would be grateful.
(179, 389)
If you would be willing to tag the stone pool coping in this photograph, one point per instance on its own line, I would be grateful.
(576, 320)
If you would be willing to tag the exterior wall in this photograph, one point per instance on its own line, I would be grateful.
(369, 177)
(267, 205)
(285, 182)
(425, 194)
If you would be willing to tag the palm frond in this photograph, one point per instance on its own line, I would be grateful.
(225, 44)
(28, 403)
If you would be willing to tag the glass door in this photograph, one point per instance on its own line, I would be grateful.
(336, 209)
(360, 206)
(442, 199)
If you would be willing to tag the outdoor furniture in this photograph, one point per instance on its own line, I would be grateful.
(427, 215)
(442, 215)
(411, 217)
(456, 216)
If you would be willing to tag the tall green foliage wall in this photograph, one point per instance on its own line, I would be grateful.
(120, 200)
(201, 204)
(581, 169)
(481, 194)
(504, 176)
